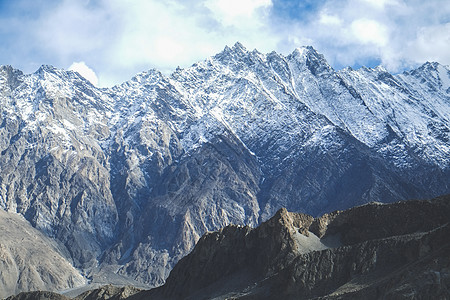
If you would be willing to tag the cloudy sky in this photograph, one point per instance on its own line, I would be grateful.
(109, 41)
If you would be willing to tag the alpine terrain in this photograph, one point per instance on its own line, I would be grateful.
(373, 251)
(125, 180)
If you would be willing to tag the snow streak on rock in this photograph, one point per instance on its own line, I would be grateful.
(129, 178)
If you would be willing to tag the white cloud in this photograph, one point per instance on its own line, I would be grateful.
(237, 12)
(398, 34)
(327, 19)
(120, 38)
(84, 71)
(380, 4)
(164, 35)
(370, 32)
(72, 28)
(432, 44)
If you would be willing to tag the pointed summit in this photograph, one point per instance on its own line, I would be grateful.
(315, 61)
(6, 68)
(150, 76)
(45, 69)
(306, 51)
(9, 70)
(232, 54)
(10, 75)
(239, 47)
(227, 49)
(434, 73)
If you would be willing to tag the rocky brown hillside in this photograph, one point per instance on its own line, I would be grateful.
(30, 261)
(374, 251)
(108, 292)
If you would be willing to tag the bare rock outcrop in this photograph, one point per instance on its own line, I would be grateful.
(38, 295)
(30, 261)
(374, 251)
(108, 292)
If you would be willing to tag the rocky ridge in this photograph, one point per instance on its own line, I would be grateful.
(127, 179)
(374, 251)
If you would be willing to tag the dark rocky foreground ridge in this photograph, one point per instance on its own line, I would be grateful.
(372, 251)
(106, 292)
(375, 251)
(125, 180)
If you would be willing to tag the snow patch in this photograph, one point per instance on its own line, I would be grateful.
(309, 243)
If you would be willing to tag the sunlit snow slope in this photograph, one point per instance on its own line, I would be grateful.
(129, 178)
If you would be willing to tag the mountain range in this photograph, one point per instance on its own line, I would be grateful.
(125, 180)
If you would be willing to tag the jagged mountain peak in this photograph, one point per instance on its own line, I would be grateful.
(306, 51)
(311, 59)
(433, 72)
(381, 68)
(433, 69)
(8, 68)
(10, 77)
(430, 65)
(379, 73)
(365, 70)
(149, 77)
(239, 47)
(148, 166)
(49, 72)
(239, 55)
(49, 77)
(46, 68)
(426, 68)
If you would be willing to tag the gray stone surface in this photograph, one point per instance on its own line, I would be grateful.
(38, 295)
(374, 251)
(128, 178)
(29, 260)
(391, 251)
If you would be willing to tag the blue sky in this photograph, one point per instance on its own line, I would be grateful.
(109, 41)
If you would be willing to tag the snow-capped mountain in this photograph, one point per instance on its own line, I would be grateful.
(127, 179)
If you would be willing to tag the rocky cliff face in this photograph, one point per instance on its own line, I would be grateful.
(128, 179)
(374, 251)
(30, 261)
